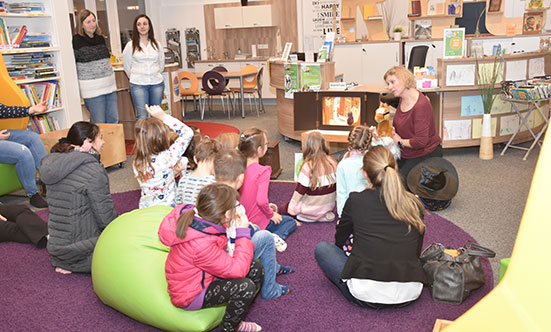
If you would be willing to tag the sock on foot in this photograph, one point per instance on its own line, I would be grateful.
(285, 270)
(249, 327)
(285, 290)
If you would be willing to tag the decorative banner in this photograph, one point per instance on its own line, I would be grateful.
(454, 41)
(317, 16)
(310, 78)
(291, 79)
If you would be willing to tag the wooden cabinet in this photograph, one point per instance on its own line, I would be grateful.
(366, 63)
(257, 16)
(228, 17)
(243, 17)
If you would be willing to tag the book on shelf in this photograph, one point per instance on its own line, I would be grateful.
(26, 7)
(42, 123)
(30, 65)
(494, 6)
(38, 92)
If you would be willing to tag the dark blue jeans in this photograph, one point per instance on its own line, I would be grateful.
(284, 228)
(331, 260)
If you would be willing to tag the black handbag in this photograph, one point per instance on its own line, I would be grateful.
(452, 273)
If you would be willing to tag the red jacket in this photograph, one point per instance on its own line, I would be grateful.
(194, 261)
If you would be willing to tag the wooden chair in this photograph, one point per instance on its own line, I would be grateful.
(250, 86)
(193, 91)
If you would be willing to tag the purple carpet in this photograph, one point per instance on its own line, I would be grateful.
(34, 297)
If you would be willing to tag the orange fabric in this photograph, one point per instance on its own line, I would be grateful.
(11, 95)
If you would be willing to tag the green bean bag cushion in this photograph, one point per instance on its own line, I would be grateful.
(128, 274)
(8, 179)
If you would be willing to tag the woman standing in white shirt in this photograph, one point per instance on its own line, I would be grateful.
(144, 60)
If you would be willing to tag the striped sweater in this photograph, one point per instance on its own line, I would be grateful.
(313, 205)
(94, 70)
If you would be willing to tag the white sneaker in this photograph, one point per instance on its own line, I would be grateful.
(280, 244)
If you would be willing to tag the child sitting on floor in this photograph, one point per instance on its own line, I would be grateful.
(192, 182)
(199, 271)
(349, 171)
(228, 140)
(254, 192)
(229, 168)
(314, 196)
(156, 157)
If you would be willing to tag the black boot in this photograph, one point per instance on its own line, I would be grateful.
(38, 202)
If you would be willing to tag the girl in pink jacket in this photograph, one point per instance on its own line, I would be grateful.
(199, 271)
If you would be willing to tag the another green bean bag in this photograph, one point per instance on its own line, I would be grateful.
(128, 274)
(8, 179)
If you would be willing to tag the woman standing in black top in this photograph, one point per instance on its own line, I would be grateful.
(383, 269)
(96, 78)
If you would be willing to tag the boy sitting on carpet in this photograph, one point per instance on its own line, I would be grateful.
(192, 182)
(229, 169)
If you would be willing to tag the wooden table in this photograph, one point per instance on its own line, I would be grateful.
(234, 74)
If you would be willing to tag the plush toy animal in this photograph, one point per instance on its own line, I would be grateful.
(385, 130)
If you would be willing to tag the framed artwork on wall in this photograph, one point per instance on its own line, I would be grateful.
(532, 22)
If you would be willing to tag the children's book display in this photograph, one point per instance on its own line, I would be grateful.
(533, 89)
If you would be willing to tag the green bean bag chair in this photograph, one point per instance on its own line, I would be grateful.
(8, 179)
(128, 274)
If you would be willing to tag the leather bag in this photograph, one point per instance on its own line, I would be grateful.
(454, 273)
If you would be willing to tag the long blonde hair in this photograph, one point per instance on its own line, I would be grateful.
(380, 166)
(213, 201)
(152, 138)
(316, 153)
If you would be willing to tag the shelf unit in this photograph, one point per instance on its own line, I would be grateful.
(54, 20)
(440, 19)
(370, 15)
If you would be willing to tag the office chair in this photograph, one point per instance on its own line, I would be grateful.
(417, 56)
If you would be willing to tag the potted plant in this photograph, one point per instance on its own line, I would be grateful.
(487, 77)
(397, 32)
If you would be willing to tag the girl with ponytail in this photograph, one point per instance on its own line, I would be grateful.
(199, 271)
(383, 269)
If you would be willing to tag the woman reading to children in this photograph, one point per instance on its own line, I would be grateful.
(415, 130)
(383, 269)
(78, 196)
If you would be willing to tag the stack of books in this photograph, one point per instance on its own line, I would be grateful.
(41, 124)
(42, 39)
(47, 91)
(534, 89)
(30, 66)
(26, 7)
(3, 6)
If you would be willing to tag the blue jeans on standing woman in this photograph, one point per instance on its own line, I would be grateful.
(104, 108)
(146, 95)
(24, 149)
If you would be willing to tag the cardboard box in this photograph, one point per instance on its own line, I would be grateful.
(114, 150)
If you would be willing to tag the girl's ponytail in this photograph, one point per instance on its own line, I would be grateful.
(184, 222)
(380, 167)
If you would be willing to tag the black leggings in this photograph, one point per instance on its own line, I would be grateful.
(23, 226)
(237, 293)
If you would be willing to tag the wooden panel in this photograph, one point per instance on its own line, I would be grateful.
(284, 18)
(271, 158)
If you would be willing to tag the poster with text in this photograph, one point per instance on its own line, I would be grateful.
(318, 19)
(454, 41)
(291, 79)
(310, 77)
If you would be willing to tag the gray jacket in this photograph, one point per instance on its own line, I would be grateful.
(80, 207)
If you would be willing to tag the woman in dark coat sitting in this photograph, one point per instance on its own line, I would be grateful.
(383, 269)
(78, 196)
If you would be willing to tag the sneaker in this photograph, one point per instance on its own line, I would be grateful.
(38, 202)
(280, 244)
(249, 327)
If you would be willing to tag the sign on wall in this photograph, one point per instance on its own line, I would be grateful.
(318, 19)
